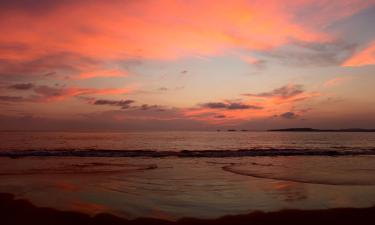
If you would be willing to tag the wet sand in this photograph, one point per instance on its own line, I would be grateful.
(19, 211)
(171, 188)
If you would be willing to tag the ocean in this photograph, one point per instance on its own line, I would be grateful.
(188, 141)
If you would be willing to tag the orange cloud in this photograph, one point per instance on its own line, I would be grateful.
(336, 81)
(129, 29)
(362, 58)
(250, 60)
(297, 98)
(89, 35)
(102, 73)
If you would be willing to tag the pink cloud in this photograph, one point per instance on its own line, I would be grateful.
(102, 73)
(250, 60)
(129, 29)
(336, 81)
(362, 58)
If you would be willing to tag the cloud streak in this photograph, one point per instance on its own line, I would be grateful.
(45, 93)
(289, 93)
(51, 93)
(5, 98)
(336, 81)
(289, 115)
(284, 92)
(229, 105)
(22, 86)
(124, 104)
(364, 57)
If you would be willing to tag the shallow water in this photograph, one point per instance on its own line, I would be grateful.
(171, 188)
(189, 174)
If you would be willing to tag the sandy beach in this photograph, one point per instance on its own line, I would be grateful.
(20, 211)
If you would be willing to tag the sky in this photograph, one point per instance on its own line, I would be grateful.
(186, 65)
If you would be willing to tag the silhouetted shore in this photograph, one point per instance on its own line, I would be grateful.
(324, 130)
(14, 212)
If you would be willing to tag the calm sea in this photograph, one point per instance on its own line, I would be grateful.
(279, 142)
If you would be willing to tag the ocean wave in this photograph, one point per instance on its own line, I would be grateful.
(84, 168)
(186, 153)
(318, 176)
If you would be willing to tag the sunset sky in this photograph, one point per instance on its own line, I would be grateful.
(186, 65)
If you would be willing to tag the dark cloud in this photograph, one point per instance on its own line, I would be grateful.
(284, 92)
(215, 105)
(5, 98)
(163, 89)
(234, 106)
(207, 115)
(229, 105)
(148, 107)
(289, 115)
(43, 93)
(22, 86)
(124, 104)
(33, 7)
(300, 53)
(46, 65)
(159, 90)
(40, 92)
(47, 91)
(50, 74)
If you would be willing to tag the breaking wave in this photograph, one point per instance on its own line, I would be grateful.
(186, 153)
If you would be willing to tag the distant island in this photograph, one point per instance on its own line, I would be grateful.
(323, 130)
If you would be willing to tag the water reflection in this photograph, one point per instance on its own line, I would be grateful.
(179, 187)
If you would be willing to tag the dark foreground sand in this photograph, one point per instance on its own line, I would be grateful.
(22, 212)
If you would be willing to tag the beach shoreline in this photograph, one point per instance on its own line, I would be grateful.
(20, 211)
